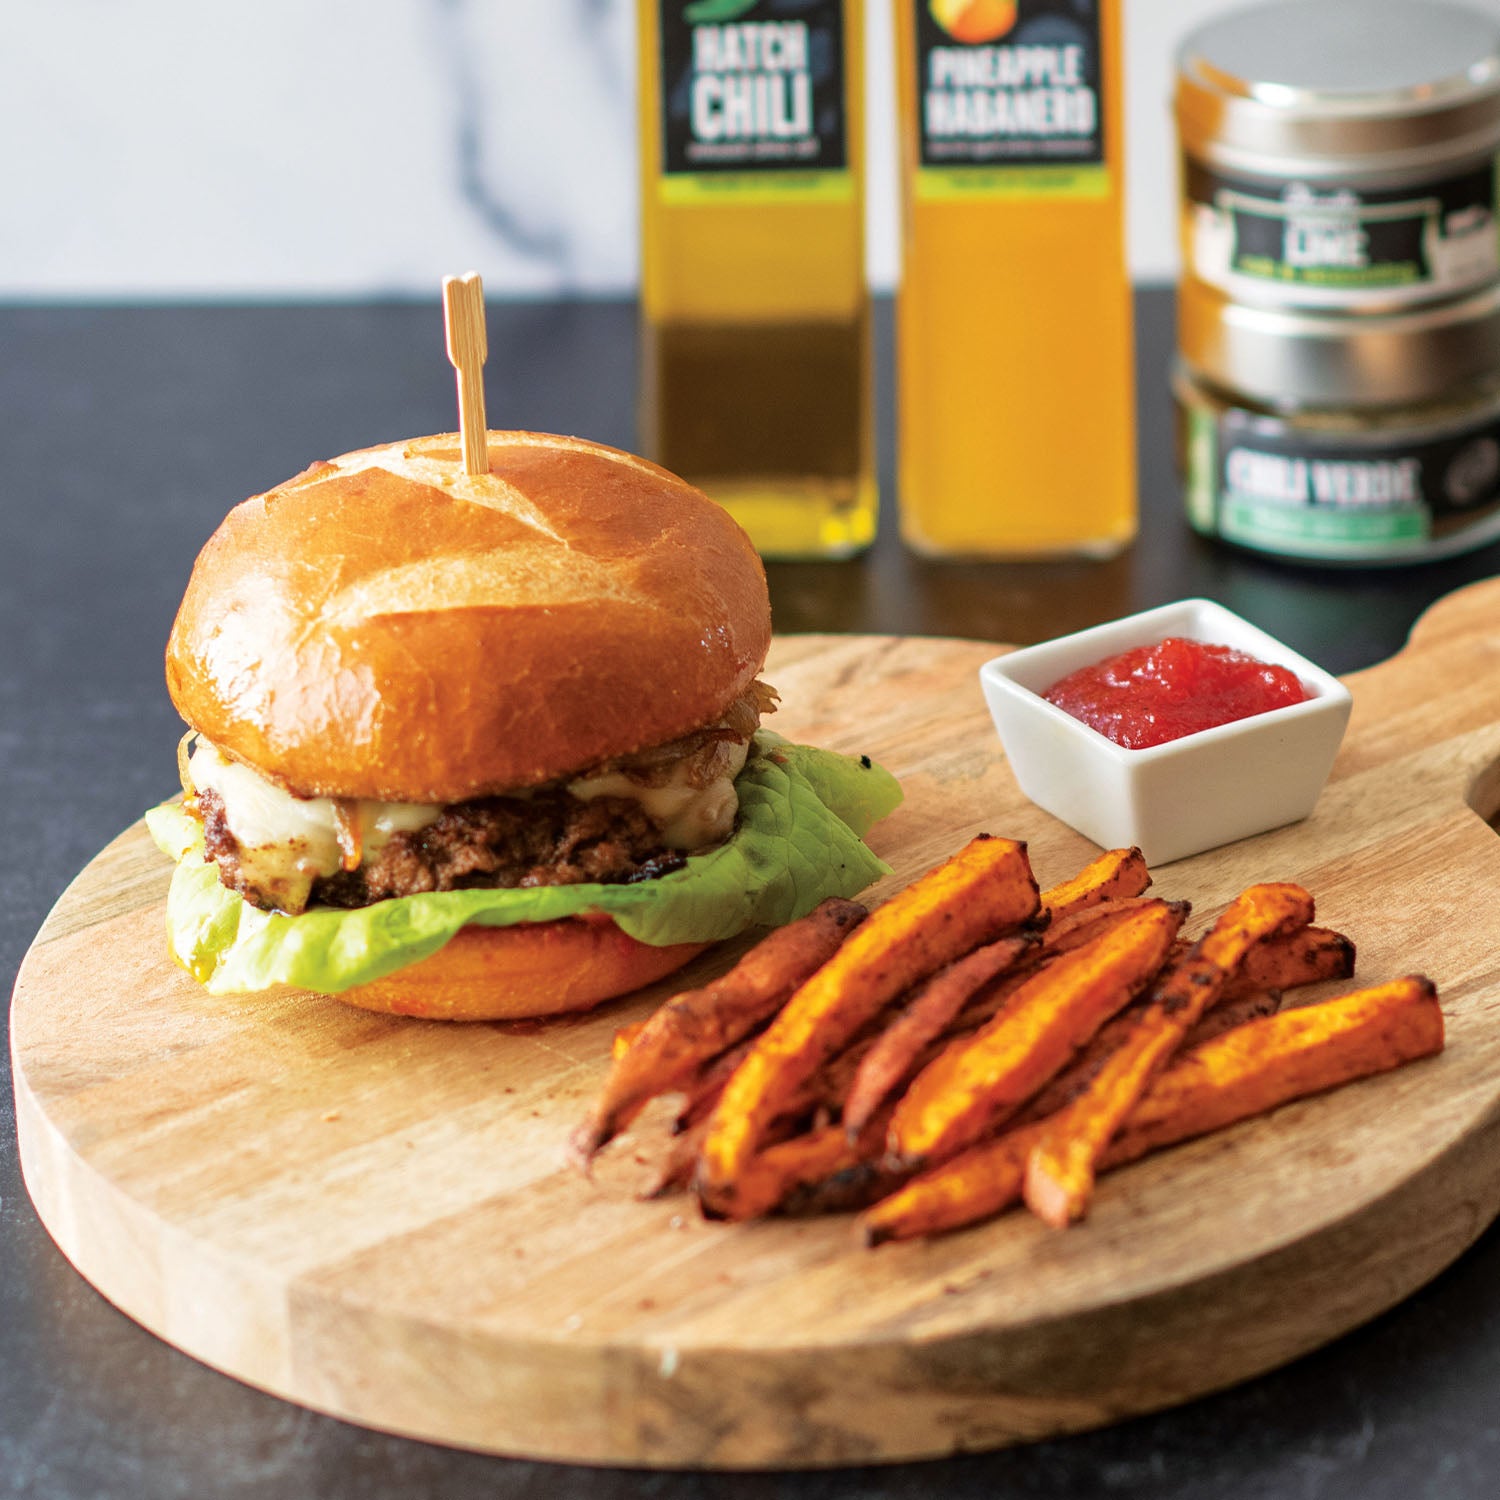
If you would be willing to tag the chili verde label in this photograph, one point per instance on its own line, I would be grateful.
(753, 100)
(1349, 498)
(1328, 241)
(1010, 98)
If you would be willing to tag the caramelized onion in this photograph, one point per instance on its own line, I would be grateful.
(184, 749)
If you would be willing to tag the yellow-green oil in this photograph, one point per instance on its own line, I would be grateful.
(756, 366)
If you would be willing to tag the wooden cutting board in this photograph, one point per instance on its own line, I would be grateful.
(372, 1216)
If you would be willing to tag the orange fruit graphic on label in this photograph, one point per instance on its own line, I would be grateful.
(974, 20)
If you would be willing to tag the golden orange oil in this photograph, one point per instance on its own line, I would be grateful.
(1015, 380)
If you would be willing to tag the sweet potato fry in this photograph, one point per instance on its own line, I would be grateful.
(1266, 1063)
(1104, 891)
(1116, 872)
(1307, 956)
(974, 897)
(1082, 924)
(846, 1190)
(822, 1094)
(825, 1091)
(970, 1089)
(1079, 1073)
(889, 1062)
(1242, 1073)
(701, 1093)
(977, 1184)
(624, 1039)
(1071, 930)
(822, 1170)
(778, 1170)
(1231, 1011)
(1060, 1172)
(698, 1025)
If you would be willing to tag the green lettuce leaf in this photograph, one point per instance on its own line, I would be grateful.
(803, 814)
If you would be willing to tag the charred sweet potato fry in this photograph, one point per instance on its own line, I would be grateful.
(1266, 1063)
(1071, 930)
(973, 1087)
(822, 1094)
(701, 1092)
(977, 1184)
(822, 1170)
(1242, 1073)
(889, 1062)
(1079, 1073)
(846, 1190)
(1073, 925)
(984, 890)
(1060, 1172)
(1231, 1011)
(1080, 910)
(976, 1042)
(1307, 956)
(774, 1173)
(696, 1026)
(1116, 872)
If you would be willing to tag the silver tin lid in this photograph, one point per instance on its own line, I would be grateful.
(1285, 357)
(1305, 87)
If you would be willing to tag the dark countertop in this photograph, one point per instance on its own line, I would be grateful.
(125, 434)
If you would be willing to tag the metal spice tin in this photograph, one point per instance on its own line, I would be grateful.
(1292, 357)
(1341, 154)
(1327, 438)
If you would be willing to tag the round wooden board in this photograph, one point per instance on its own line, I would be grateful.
(373, 1217)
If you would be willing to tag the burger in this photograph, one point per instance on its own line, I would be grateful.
(487, 746)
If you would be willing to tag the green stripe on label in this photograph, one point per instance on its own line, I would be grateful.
(1312, 532)
(1202, 472)
(758, 187)
(934, 184)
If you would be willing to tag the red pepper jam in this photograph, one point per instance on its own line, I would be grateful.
(1153, 694)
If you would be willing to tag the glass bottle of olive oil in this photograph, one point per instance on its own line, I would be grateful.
(756, 378)
(1015, 377)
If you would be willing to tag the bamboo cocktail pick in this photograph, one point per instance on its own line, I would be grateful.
(463, 320)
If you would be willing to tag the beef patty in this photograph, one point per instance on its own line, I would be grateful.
(548, 838)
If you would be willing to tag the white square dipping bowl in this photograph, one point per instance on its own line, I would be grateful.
(1189, 794)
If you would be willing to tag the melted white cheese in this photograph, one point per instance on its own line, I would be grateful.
(688, 816)
(287, 842)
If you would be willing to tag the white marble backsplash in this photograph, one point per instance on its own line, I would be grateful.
(187, 148)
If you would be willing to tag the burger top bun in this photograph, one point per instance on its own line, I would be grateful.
(386, 626)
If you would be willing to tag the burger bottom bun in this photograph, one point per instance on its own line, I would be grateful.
(507, 973)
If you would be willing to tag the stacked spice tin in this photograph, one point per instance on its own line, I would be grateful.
(1338, 375)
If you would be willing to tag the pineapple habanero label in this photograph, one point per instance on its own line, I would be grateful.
(1010, 98)
(753, 100)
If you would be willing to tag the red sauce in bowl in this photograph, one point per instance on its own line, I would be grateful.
(1157, 693)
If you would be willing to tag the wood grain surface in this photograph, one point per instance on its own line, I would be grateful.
(373, 1217)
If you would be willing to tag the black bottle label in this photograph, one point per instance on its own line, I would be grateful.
(1352, 497)
(752, 86)
(1010, 97)
(1328, 242)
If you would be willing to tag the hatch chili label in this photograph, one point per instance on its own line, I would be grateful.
(1010, 98)
(1327, 243)
(753, 99)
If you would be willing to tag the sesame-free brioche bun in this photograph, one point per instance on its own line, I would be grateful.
(386, 626)
(514, 973)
